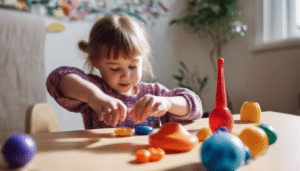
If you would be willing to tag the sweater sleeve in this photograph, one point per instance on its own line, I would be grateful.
(52, 86)
(195, 104)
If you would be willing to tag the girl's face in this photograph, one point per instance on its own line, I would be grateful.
(121, 74)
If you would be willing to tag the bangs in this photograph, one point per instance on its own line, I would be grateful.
(125, 44)
(115, 36)
(120, 34)
(115, 51)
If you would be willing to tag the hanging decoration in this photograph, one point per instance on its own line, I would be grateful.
(56, 27)
(145, 11)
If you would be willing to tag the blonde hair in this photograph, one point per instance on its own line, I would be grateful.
(114, 34)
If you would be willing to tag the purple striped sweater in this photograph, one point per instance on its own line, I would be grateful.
(90, 118)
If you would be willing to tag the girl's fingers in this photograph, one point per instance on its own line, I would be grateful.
(133, 112)
(100, 113)
(141, 109)
(107, 117)
(157, 107)
(101, 116)
(114, 113)
(147, 112)
(131, 115)
(122, 109)
(159, 111)
(115, 117)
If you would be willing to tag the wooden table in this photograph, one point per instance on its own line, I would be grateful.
(100, 149)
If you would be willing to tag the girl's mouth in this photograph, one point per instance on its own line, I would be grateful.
(124, 85)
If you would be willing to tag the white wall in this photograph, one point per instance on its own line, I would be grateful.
(272, 76)
(61, 50)
(269, 77)
(173, 43)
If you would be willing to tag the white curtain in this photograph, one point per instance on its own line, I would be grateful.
(22, 68)
(280, 20)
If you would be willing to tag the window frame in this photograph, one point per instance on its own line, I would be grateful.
(260, 38)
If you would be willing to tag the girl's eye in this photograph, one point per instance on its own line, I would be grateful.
(132, 67)
(114, 69)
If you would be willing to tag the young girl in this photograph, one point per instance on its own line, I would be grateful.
(118, 47)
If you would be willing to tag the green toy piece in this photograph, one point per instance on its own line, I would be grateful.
(270, 131)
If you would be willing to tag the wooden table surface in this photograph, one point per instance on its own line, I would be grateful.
(100, 149)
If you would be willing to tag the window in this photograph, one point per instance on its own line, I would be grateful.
(277, 24)
(280, 21)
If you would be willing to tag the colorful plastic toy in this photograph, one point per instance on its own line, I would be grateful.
(142, 156)
(223, 151)
(152, 154)
(221, 129)
(255, 139)
(18, 150)
(204, 133)
(143, 129)
(250, 112)
(221, 115)
(270, 131)
(124, 131)
(248, 154)
(174, 137)
(156, 153)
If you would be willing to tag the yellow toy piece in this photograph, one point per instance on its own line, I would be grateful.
(255, 139)
(250, 112)
(204, 133)
(124, 131)
(56, 27)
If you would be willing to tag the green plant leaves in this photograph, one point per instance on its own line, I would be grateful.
(184, 66)
(201, 16)
(175, 21)
(190, 80)
(178, 78)
(202, 83)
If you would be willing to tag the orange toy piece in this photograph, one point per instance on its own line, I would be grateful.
(204, 133)
(142, 156)
(255, 139)
(174, 137)
(124, 131)
(156, 153)
(250, 112)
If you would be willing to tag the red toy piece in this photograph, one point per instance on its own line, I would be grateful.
(221, 115)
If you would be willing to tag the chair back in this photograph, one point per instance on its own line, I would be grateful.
(41, 118)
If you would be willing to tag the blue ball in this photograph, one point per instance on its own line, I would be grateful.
(18, 150)
(248, 154)
(143, 129)
(223, 151)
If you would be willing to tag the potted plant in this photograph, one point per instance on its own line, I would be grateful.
(191, 80)
(215, 19)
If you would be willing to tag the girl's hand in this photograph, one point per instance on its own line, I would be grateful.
(109, 109)
(149, 105)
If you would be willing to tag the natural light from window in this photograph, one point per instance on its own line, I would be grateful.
(298, 15)
(281, 20)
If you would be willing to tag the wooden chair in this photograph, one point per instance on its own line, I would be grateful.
(41, 118)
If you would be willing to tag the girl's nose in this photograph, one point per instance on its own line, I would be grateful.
(125, 73)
